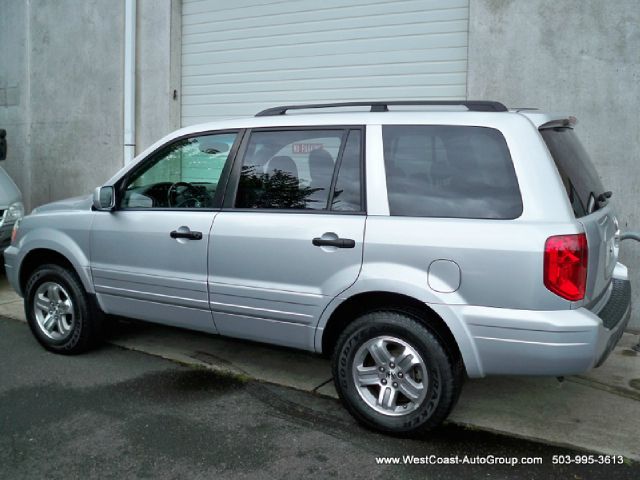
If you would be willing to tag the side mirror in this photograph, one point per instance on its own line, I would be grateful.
(104, 199)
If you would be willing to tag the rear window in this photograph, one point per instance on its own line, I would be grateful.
(450, 171)
(578, 174)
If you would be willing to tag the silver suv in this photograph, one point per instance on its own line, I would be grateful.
(415, 247)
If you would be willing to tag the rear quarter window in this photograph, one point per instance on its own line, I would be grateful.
(450, 171)
(579, 176)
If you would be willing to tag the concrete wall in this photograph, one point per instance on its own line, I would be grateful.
(158, 70)
(76, 75)
(61, 89)
(65, 134)
(575, 56)
(14, 88)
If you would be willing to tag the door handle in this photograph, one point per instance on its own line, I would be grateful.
(189, 235)
(335, 242)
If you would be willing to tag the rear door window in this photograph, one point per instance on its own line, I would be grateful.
(298, 170)
(578, 174)
(450, 171)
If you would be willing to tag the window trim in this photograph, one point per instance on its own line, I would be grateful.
(231, 191)
(120, 185)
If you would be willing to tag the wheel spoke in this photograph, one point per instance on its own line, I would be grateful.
(379, 352)
(48, 322)
(42, 303)
(406, 359)
(411, 389)
(367, 375)
(54, 292)
(387, 398)
(66, 307)
(60, 324)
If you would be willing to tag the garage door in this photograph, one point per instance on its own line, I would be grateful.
(240, 57)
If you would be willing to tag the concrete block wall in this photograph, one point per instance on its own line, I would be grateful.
(576, 56)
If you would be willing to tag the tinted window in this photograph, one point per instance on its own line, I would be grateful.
(289, 169)
(578, 174)
(183, 175)
(450, 171)
(347, 196)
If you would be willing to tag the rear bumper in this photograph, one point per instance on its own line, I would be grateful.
(615, 317)
(556, 343)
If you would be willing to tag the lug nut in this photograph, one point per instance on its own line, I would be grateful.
(382, 369)
(400, 375)
(383, 381)
(392, 365)
(395, 385)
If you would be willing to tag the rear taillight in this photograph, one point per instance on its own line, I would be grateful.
(565, 265)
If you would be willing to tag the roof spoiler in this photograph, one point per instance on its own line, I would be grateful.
(570, 122)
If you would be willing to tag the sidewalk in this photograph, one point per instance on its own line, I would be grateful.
(598, 411)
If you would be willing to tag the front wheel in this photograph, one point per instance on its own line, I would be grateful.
(60, 314)
(394, 375)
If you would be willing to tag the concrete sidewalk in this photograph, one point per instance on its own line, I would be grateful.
(598, 411)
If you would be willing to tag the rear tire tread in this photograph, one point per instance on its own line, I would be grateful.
(451, 370)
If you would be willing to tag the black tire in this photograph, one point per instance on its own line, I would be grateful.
(445, 373)
(86, 331)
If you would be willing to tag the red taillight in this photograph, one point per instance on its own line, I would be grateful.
(565, 265)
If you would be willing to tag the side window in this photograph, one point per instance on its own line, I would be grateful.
(450, 171)
(183, 175)
(347, 196)
(289, 169)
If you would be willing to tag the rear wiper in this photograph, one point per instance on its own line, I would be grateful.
(603, 198)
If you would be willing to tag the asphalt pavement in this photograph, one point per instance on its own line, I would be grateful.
(115, 413)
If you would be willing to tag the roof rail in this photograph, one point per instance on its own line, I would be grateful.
(381, 106)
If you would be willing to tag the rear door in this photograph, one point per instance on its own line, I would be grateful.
(590, 205)
(290, 237)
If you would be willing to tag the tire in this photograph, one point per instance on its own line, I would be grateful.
(62, 316)
(419, 391)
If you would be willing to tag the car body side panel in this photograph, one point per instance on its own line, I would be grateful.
(402, 283)
(267, 280)
(9, 192)
(68, 237)
(140, 271)
(601, 230)
(500, 262)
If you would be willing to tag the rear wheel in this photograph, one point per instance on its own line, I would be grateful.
(61, 315)
(394, 375)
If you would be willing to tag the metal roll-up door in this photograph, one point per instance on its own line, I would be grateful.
(243, 56)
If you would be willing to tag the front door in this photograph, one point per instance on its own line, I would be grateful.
(149, 256)
(290, 237)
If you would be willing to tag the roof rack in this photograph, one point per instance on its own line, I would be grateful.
(380, 106)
